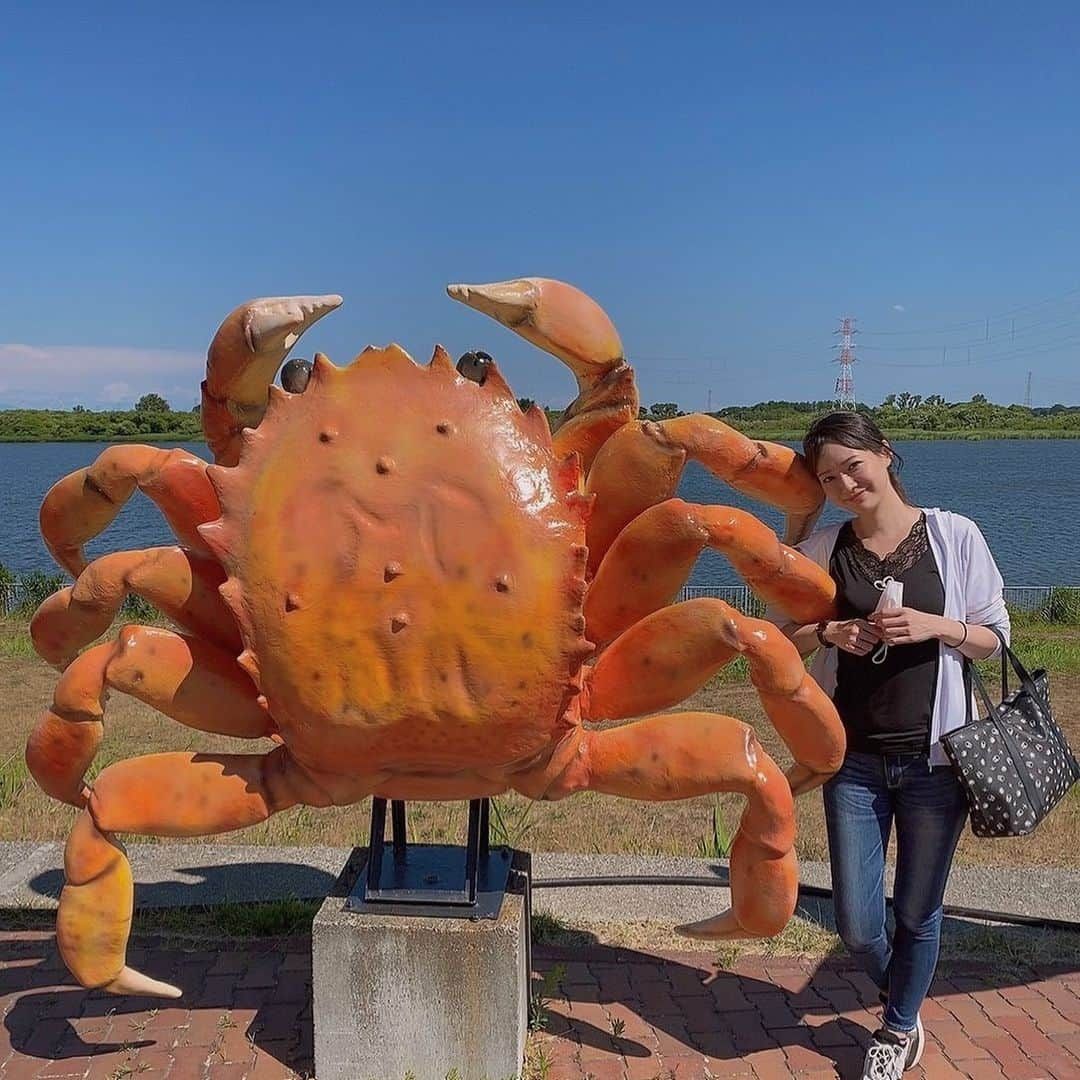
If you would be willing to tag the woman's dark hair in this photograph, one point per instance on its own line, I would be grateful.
(854, 429)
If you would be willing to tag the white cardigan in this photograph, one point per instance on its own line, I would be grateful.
(973, 594)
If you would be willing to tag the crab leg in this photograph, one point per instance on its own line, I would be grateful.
(244, 357)
(669, 655)
(180, 584)
(185, 678)
(641, 465)
(563, 321)
(166, 795)
(649, 562)
(84, 502)
(678, 756)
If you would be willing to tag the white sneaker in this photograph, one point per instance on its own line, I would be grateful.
(887, 1055)
(916, 1044)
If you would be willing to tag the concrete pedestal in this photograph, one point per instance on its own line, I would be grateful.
(402, 995)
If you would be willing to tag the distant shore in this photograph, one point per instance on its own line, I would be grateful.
(784, 435)
(900, 417)
(921, 435)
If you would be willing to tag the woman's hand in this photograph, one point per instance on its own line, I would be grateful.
(853, 635)
(906, 626)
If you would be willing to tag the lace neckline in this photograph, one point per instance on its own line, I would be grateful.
(901, 559)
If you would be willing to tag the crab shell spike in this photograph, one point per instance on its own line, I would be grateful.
(226, 484)
(582, 504)
(557, 317)
(497, 386)
(536, 423)
(250, 664)
(322, 368)
(569, 474)
(230, 591)
(387, 356)
(215, 535)
(441, 361)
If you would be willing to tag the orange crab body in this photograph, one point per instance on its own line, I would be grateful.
(408, 582)
(413, 589)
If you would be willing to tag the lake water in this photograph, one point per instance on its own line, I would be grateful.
(1024, 494)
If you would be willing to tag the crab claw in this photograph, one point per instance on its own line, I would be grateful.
(563, 321)
(244, 357)
(554, 316)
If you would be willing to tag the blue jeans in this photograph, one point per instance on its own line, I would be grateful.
(929, 807)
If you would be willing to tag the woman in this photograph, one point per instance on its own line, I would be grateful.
(896, 677)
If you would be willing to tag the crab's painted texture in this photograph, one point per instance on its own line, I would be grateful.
(416, 591)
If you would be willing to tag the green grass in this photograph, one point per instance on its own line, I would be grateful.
(1053, 646)
(273, 918)
(548, 929)
(1010, 946)
(15, 642)
(13, 778)
(511, 822)
(716, 844)
(801, 937)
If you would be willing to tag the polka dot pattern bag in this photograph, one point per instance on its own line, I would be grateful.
(1014, 762)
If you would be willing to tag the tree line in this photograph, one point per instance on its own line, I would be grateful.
(153, 419)
(912, 413)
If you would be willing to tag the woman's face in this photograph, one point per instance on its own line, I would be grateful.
(855, 480)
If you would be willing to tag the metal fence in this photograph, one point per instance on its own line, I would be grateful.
(11, 597)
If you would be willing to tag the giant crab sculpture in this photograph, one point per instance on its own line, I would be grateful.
(418, 592)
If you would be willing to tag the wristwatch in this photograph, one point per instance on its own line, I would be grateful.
(819, 630)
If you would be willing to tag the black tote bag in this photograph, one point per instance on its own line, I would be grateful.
(1014, 763)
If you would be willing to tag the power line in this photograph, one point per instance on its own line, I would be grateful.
(978, 343)
(1036, 349)
(949, 328)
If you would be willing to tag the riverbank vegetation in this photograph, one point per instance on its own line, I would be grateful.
(900, 416)
(151, 420)
(909, 416)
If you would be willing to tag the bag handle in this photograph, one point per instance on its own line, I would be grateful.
(1007, 657)
(971, 674)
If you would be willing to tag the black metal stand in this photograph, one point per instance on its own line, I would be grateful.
(429, 879)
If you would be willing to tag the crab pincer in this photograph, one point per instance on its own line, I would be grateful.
(243, 359)
(571, 326)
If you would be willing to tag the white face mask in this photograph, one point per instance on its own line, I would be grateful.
(892, 596)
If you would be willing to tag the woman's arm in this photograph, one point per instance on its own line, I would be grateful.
(852, 635)
(804, 637)
(906, 626)
(970, 640)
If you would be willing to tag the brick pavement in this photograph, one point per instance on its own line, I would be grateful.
(614, 1013)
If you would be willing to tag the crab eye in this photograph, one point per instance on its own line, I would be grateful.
(475, 366)
(295, 375)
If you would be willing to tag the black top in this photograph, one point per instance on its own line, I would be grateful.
(886, 708)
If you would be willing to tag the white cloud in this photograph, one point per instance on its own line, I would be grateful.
(59, 376)
(899, 307)
(115, 392)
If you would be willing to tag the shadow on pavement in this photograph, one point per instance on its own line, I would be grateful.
(229, 883)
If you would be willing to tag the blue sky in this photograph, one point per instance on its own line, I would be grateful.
(726, 182)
